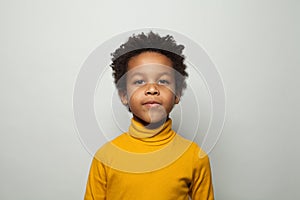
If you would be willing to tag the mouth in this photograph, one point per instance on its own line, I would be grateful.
(151, 104)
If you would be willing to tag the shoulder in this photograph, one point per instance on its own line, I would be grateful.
(120, 139)
(192, 146)
(109, 147)
(192, 149)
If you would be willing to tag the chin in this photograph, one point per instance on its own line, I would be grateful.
(153, 119)
(152, 122)
(158, 120)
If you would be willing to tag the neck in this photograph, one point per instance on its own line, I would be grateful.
(143, 133)
(151, 125)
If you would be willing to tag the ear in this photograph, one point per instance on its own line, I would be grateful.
(177, 99)
(123, 97)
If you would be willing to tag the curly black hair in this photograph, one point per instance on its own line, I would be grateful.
(151, 42)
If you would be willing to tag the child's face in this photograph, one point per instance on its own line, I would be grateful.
(150, 85)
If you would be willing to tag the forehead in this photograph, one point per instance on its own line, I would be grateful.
(151, 70)
(150, 59)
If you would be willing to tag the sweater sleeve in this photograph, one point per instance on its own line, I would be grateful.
(96, 184)
(201, 188)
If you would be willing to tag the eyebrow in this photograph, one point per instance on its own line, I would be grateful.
(142, 74)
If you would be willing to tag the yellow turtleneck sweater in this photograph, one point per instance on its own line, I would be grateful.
(150, 164)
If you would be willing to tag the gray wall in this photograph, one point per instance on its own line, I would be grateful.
(254, 44)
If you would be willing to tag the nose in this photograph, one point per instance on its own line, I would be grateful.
(151, 89)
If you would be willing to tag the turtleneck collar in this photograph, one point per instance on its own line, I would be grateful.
(158, 136)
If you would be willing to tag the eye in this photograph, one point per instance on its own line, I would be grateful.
(163, 82)
(138, 82)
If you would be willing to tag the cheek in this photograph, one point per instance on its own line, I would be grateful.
(130, 93)
(168, 89)
(168, 92)
(134, 95)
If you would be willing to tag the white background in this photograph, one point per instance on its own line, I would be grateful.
(255, 45)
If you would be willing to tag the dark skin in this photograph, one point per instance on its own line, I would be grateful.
(150, 88)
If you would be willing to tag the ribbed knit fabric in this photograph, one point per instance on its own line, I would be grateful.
(150, 164)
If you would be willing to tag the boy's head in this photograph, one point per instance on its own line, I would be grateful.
(149, 73)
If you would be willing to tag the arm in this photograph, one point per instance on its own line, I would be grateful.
(201, 188)
(96, 185)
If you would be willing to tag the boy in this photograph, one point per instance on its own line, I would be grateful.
(150, 161)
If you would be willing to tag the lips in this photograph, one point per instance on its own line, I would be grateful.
(151, 103)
